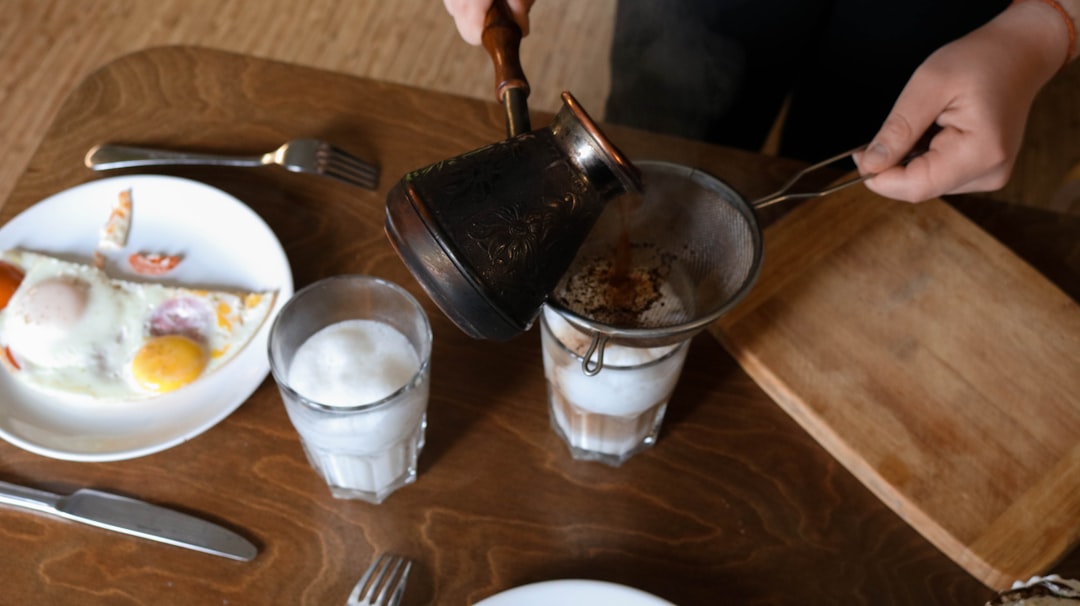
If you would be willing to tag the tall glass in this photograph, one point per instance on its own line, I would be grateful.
(616, 413)
(361, 433)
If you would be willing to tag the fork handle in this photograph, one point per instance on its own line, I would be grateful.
(108, 156)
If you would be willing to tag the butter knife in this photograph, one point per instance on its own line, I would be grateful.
(133, 517)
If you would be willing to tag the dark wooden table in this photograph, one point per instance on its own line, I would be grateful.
(735, 505)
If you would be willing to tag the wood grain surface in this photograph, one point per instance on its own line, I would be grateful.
(48, 46)
(736, 503)
(924, 354)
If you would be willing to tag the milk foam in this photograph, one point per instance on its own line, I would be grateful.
(625, 386)
(353, 362)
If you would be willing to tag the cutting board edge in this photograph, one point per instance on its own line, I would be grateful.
(996, 539)
(994, 574)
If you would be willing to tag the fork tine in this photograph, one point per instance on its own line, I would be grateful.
(364, 176)
(381, 584)
(339, 163)
(399, 591)
(381, 600)
(336, 153)
(362, 584)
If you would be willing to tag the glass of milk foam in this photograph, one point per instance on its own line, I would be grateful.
(351, 357)
(616, 413)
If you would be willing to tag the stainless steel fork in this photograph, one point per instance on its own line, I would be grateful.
(299, 155)
(383, 582)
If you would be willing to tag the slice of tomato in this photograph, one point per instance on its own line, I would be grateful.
(153, 264)
(10, 278)
(10, 359)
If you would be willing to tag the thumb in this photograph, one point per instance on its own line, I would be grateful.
(468, 17)
(910, 118)
(520, 9)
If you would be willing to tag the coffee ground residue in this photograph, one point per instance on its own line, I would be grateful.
(616, 292)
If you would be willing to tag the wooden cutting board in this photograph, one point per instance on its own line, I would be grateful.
(938, 367)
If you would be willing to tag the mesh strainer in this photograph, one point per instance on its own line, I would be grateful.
(661, 265)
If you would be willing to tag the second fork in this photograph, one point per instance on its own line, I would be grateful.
(383, 583)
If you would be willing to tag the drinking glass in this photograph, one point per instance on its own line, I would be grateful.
(363, 447)
(616, 413)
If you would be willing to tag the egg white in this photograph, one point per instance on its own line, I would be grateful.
(90, 354)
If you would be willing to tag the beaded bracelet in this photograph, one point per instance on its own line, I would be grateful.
(1069, 25)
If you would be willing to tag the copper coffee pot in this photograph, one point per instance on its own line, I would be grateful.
(489, 233)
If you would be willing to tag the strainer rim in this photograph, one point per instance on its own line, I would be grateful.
(684, 330)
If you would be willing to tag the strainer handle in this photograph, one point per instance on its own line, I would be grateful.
(782, 194)
(921, 147)
(599, 342)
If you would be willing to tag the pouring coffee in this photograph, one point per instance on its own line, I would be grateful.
(489, 233)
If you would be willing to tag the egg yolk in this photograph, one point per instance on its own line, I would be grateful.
(10, 278)
(168, 363)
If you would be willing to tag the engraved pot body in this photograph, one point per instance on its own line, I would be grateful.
(489, 233)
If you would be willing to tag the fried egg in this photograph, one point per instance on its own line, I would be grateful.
(68, 327)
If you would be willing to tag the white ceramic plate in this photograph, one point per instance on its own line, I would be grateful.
(224, 244)
(573, 592)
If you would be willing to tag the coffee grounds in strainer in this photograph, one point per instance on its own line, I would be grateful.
(622, 293)
(665, 261)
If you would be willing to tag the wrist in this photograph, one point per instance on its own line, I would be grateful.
(1058, 20)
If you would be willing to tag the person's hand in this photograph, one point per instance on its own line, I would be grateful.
(979, 90)
(469, 16)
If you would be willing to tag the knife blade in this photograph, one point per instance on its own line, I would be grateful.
(133, 517)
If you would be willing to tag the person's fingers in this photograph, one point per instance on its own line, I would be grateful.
(916, 109)
(946, 168)
(978, 90)
(469, 16)
(520, 10)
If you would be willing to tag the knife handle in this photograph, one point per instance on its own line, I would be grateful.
(502, 38)
(28, 498)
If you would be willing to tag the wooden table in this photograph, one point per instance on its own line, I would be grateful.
(735, 505)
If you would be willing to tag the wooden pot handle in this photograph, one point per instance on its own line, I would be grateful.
(502, 39)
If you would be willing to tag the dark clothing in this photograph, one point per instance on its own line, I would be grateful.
(720, 70)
